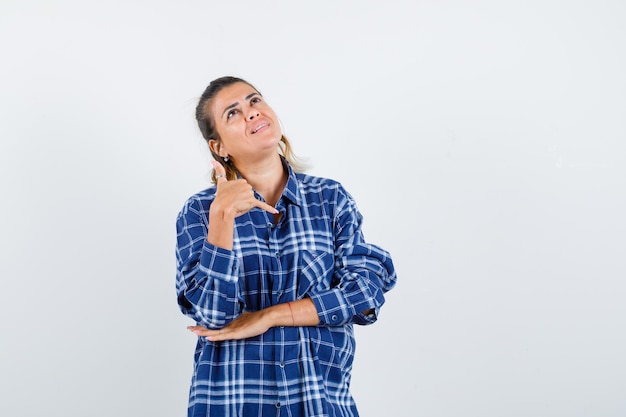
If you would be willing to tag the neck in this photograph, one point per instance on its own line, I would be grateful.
(267, 177)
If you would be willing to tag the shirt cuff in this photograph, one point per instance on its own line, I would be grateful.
(332, 308)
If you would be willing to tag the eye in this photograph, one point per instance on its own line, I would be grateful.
(231, 113)
(255, 100)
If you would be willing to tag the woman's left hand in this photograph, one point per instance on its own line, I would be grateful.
(245, 326)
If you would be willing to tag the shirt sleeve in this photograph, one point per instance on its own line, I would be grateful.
(363, 272)
(206, 276)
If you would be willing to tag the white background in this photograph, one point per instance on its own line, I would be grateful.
(484, 142)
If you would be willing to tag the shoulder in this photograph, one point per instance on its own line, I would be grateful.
(311, 183)
(199, 202)
(329, 190)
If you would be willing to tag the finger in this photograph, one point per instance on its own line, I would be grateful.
(220, 172)
(265, 206)
(217, 336)
(198, 330)
(201, 330)
(210, 334)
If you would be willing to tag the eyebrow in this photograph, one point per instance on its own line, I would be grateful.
(236, 103)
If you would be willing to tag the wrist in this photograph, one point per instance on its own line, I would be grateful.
(219, 214)
(221, 228)
(280, 315)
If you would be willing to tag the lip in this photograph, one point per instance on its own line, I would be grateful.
(259, 127)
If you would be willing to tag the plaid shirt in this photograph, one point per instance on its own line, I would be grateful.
(317, 250)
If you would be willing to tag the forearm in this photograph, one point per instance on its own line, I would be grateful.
(294, 313)
(221, 226)
(207, 284)
(357, 300)
(207, 268)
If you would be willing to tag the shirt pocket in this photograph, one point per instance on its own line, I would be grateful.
(315, 272)
(333, 349)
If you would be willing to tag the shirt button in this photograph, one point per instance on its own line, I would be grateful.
(334, 317)
(277, 254)
(278, 404)
(282, 364)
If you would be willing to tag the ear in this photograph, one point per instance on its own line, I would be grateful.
(216, 147)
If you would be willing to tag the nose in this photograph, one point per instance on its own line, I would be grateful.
(252, 113)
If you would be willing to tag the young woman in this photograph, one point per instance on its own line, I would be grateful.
(273, 268)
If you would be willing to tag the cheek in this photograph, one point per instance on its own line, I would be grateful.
(231, 134)
(267, 110)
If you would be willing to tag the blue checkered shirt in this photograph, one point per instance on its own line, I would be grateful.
(316, 250)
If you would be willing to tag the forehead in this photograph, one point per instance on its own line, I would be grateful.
(227, 96)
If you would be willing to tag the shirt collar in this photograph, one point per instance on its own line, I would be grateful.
(292, 191)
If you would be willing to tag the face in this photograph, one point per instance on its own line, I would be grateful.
(247, 125)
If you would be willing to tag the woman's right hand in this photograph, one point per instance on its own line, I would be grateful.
(232, 199)
(236, 197)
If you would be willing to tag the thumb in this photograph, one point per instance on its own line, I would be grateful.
(220, 171)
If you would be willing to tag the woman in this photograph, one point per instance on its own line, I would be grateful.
(273, 268)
